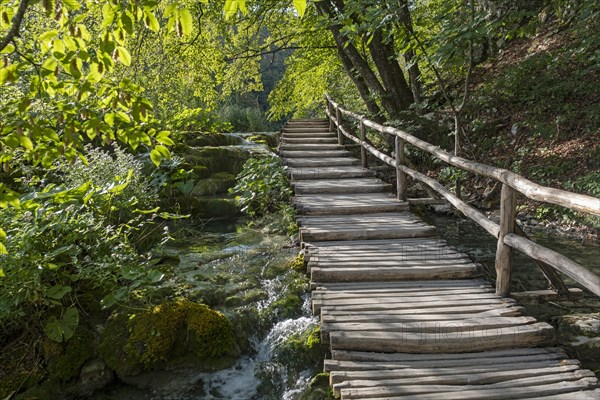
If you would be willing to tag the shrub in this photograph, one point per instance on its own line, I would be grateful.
(262, 186)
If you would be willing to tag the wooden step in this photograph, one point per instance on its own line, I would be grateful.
(536, 334)
(336, 204)
(360, 185)
(306, 129)
(367, 273)
(309, 140)
(311, 134)
(314, 153)
(342, 172)
(321, 162)
(306, 147)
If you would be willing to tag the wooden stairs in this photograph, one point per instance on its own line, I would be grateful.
(407, 316)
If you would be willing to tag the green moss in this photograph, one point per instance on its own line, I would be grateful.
(73, 355)
(297, 263)
(200, 139)
(209, 207)
(318, 388)
(172, 334)
(216, 184)
(216, 159)
(263, 138)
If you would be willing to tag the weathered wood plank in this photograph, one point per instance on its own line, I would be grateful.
(489, 393)
(477, 358)
(537, 376)
(430, 314)
(305, 173)
(321, 162)
(321, 274)
(440, 327)
(336, 377)
(479, 340)
(364, 185)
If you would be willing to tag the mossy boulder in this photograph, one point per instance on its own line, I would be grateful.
(173, 334)
(65, 360)
(217, 183)
(200, 139)
(209, 207)
(269, 139)
(216, 159)
(318, 388)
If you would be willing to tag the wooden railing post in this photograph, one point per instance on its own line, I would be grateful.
(400, 175)
(328, 107)
(363, 139)
(338, 117)
(508, 211)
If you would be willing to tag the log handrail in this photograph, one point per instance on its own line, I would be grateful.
(512, 183)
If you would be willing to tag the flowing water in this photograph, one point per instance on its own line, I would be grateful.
(233, 260)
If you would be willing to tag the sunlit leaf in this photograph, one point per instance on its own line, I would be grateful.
(124, 55)
(187, 25)
(300, 6)
(156, 157)
(8, 49)
(150, 21)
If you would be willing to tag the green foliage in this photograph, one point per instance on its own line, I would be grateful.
(262, 186)
(78, 235)
(452, 174)
(199, 120)
(244, 119)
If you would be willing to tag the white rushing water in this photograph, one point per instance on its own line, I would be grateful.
(240, 381)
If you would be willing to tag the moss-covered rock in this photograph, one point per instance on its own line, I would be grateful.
(216, 184)
(200, 139)
(175, 333)
(216, 159)
(66, 364)
(269, 139)
(209, 207)
(318, 388)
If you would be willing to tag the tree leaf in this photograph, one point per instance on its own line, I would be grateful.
(57, 292)
(187, 24)
(156, 157)
(70, 322)
(124, 55)
(300, 6)
(163, 151)
(150, 21)
(8, 49)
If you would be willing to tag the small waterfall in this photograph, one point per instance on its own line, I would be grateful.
(240, 382)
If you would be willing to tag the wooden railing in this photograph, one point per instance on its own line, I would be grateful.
(507, 231)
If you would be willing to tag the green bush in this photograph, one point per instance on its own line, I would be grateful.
(199, 119)
(262, 186)
(65, 242)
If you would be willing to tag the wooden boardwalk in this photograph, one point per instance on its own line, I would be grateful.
(407, 316)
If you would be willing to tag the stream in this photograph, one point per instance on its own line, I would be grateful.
(245, 274)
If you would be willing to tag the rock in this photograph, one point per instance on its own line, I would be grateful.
(171, 335)
(94, 376)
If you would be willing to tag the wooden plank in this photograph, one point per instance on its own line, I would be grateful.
(415, 373)
(322, 295)
(431, 314)
(535, 296)
(578, 395)
(321, 162)
(329, 172)
(478, 340)
(485, 357)
(439, 327)
(536, 376)
(373, 244)
(508, 212)
(320, 274)
(417, 261)
(313, 153)
(365, 185)
(491, 393)
(465, 283)
(411, 303)
(308, 234)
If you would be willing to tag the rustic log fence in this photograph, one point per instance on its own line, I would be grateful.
(507, 231)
